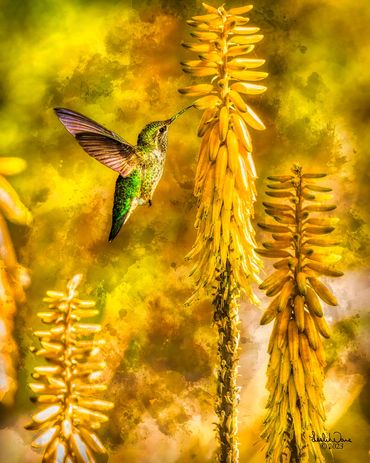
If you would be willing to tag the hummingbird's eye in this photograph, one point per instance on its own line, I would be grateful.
(162, 129)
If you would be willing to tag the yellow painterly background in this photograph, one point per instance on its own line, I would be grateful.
(118, 62)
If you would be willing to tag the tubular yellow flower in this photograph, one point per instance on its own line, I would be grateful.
(296, 368)
(225, 261)
(224, 183)
(66, 384)
(13, 277)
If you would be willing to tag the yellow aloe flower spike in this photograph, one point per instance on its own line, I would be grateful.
(67, 383)
(225, 263)
(296, 369)
(13, 277)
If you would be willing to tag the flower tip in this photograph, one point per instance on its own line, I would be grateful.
(74, 282)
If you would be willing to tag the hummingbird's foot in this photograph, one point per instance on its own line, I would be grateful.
(150, 203)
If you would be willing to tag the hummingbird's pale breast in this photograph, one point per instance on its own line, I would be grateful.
(152, 171)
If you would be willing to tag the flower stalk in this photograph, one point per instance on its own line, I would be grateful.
(225, 263)
(296, 367)
(66, 385)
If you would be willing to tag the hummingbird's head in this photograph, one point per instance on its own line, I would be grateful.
(156, 133)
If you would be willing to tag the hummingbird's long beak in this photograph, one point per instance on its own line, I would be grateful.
(173, 118)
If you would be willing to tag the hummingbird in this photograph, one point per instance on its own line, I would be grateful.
(139, 167)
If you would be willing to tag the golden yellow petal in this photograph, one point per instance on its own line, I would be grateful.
(67, 428)
(299, 312)
(251, 118)
(322, 327)
(318, 188)
(212, 56)
(282, 329)
(89, 414)
(241, 131)
(91, 388)
(314, 176)
(92, 440)
(11, 205)
(270, 313)
(274, 228)
(237, 100)
(48, 369)
(273, 278)
(323, 291)
(210, 101)
(96, 404)
(241, 180)
(207, 117)
(245, 30)
(210, 9)
(201, 71)
(324, 258)
(199, 63)
(223, 122)
(220, 169)
(238, 50)
(206, 36)
(44, 439)
(273, 253)
(61, 452)
(323, 270)
(240, 10)
(228, 190)
(52, 346)
(86, 328)
(47, 414)
(233, 151)
(251, 165)
(248, 63)
(214, 142)
(246, 39)
(322, 242)
(319, 230)
(81, 449)
(248, 75)
(320, 208)
(310, 330)
(207, 17)
(313, 302)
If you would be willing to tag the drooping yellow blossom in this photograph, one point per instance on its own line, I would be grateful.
(297, 359)
(225, 176)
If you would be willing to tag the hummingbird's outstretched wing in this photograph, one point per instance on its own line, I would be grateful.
(102, 144)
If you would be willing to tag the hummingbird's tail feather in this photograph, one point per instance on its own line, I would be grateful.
(126, 197)
(117, 225)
